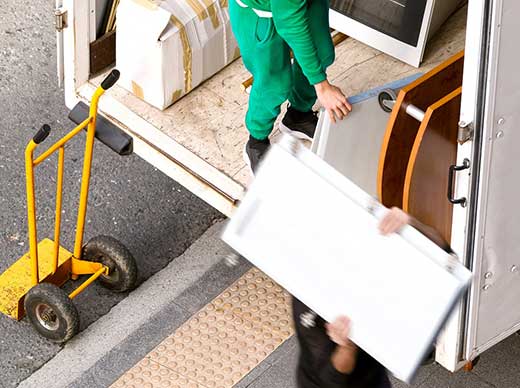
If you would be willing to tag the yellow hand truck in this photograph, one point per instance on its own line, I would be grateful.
(31, 285)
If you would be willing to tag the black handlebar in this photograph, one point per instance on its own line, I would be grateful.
(42, 134)
(110, 80)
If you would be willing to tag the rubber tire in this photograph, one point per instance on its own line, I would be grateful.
(65, 310)
(112, 253)
(386, 95)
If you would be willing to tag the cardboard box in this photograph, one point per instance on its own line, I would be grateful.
(166, 48)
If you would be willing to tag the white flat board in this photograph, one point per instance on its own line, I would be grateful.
(353, 145)
(315, 233)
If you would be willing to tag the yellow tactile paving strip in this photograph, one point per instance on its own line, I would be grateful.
(223, 342)
(149, 374)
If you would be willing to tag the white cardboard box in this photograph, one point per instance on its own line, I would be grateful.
(166, 48)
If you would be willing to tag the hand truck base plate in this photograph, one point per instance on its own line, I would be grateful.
(16, 281)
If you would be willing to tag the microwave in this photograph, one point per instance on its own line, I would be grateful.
(400, 28)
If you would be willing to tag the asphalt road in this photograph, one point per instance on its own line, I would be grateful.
(129, 199)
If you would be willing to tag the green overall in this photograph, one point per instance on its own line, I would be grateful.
(265, 44)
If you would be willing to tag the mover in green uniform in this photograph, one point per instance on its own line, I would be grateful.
(267, 31)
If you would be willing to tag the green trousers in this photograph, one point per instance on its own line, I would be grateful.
(267, 57)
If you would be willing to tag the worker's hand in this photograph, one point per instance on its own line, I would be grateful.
(344, 357)
(333, 100)
(393, 221)
(339, 331)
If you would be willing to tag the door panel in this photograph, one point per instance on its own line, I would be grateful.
(493, 304)
(73, 40)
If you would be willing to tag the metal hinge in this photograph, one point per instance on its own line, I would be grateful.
(465, 132)
(60, 19)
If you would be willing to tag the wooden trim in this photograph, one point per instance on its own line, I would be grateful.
(443, 66)
(402, 129)
(418, 140)
(422, 188)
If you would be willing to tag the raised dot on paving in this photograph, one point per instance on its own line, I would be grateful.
(148, 374)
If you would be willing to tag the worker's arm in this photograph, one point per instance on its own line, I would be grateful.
(343, 358)
(396, 218)
(291, 20)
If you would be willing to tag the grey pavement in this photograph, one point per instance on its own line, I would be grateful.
(129, 199)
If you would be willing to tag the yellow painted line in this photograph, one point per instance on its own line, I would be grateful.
(223, 342)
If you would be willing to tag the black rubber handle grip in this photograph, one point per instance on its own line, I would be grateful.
(42, 134)
(110, 80)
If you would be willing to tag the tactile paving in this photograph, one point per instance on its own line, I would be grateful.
(225, 340)
(257, 298)
(149, 374)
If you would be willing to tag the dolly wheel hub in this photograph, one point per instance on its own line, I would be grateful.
(47, 317)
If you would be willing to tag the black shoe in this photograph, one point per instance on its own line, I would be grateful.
(301, 125)
(254, 151)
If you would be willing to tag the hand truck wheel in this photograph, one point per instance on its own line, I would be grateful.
(51, 312)
(387, 95)
(108, 251)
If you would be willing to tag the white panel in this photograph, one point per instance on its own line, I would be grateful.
(494, 310)
(76, 51)
(353, 146)
(316, 234)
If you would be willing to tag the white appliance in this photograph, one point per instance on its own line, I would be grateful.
(399, 28)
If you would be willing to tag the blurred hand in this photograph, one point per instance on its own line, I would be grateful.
(339, 330)
(333, 100)
(393, 221)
